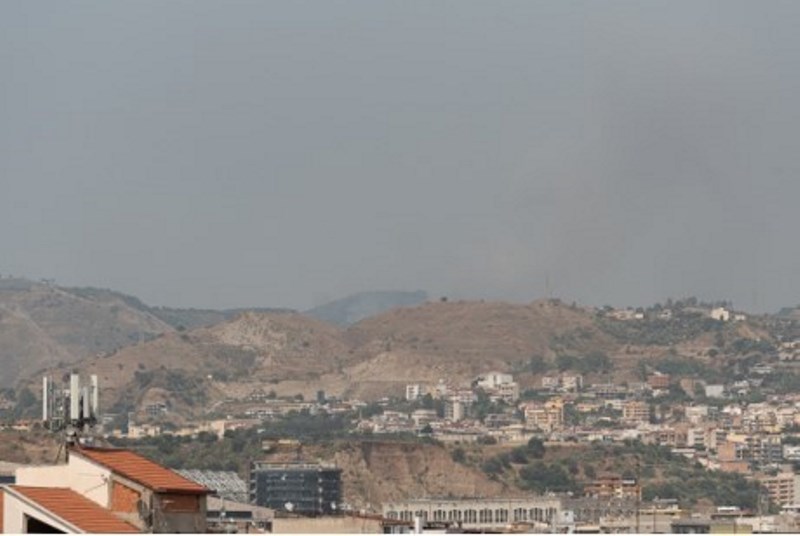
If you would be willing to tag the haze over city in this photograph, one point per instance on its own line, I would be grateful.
(231, 154)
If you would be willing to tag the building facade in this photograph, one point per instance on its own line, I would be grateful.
(477, 513)
(303, 488)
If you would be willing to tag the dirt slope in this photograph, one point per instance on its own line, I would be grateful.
(41, 325)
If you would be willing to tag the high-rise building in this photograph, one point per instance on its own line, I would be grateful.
(303, 488)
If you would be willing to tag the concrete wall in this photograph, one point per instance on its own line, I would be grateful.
(82, 476)
(90, 480)
(330, 525)
(179, 513)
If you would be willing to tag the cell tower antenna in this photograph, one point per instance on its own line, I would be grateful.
(70, 411)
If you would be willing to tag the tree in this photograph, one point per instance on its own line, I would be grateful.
(492, 466)
(536, 448)
(589, 471)
(538, 365)
(518, 456)
(541, 477)
(595, 362)
(566, 362)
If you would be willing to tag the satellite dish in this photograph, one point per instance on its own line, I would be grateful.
(289, 506)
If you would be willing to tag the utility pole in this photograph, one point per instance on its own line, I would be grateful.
(638, 494)
(655, 500)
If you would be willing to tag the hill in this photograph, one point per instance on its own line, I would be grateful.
(349, 310)
(179, 318)
(459, 340)
(373, 471)
(189, 371)
(292, 354)
(194, 372)
(42, 325)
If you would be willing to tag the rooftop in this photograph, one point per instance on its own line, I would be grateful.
(74, 509)
(141, 470)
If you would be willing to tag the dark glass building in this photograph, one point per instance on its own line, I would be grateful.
(302, 488)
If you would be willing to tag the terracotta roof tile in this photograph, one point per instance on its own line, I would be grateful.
(75, 509)
(141, 470)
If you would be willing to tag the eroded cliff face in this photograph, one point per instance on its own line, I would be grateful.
(374, 472)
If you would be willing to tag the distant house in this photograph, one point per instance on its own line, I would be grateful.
(551, 382)
(414, 391)
(572, 382)
(636, 411)
(493, 380)
(499, 386)
(658, 381)
(626, 314)
(721, 314)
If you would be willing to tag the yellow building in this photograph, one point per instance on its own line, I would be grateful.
(546, 416)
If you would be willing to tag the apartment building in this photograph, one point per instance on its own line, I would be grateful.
(783, 488)
(636, 411)
(546, 416)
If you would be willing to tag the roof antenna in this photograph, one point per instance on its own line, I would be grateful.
(70, 412)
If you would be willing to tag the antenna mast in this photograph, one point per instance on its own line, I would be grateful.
(70, 411)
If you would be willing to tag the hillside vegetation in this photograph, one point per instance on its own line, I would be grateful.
(42, 325)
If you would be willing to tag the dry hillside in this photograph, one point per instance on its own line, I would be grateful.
(374, 472)
(292, 353)
(459, 340)
(42, 325)
(289, 353)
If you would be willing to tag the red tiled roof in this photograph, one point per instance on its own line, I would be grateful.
(75, 509)
(141, 470)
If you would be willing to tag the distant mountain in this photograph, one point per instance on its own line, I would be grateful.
(356, 307)
(42, 325)
(179, 318)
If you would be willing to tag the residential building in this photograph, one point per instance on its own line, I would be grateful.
(608, 390)
(720, 313)
(551, 382)
(421, 417)
(493, 380)
(546, 416)
(696, 414)
(454, 410)
(636, 411)
(506, 392)
(613, 486)
(103, 490)
(414, 391)
(658, 381)
(571, 382)
(783, 488)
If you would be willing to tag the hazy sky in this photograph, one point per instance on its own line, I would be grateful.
(221, 154)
